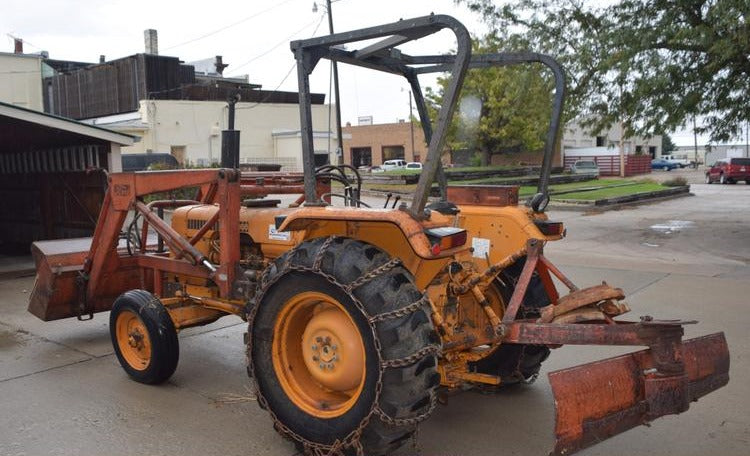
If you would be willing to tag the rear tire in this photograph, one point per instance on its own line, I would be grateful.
(666, 168)
(285, 380)
(517, 363)
(722, 179)
(144, 337)
(708, 179)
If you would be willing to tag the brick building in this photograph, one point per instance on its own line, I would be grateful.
(371, 145)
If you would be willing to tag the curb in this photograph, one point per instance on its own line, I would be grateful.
(626, 200)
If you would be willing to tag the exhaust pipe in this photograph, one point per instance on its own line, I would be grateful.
(230, 138)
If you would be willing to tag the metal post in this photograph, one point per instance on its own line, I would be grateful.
(230, 138)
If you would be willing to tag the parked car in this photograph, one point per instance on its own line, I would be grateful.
(585, 167)
(729, 171)
(390, 165)
(681, 162)
(414, 165)
(660, 163)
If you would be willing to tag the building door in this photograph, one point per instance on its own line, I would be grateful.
(361, 156)
(652, 151)
(393, 153)
(178, 152)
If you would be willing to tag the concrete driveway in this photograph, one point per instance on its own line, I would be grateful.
(62, 391)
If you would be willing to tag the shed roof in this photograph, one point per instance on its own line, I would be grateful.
(21, 128)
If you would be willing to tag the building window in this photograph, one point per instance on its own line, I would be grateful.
(361, 156)
(600, 141)
(638, 150)
(393, 153)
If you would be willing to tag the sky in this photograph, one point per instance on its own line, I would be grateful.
(252, 36)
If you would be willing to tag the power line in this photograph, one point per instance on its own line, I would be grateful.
(234, 24)
(270, 93)
(275, 46)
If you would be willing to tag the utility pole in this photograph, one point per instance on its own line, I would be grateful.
(622, 149)
(411, 127)
(695, 141)
(339, 135)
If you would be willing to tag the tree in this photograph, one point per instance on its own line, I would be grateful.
(652, 64)
(667, 145)
(501, 107)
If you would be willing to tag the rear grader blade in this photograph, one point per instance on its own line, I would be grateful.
(596, 401)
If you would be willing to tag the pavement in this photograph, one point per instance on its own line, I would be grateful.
(63, 392)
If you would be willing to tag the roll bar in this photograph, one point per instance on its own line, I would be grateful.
(385, 56)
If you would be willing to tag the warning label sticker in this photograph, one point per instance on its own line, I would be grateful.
(276, 235)
(481, 247)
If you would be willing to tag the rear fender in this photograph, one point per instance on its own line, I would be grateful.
(394, 231)
(499, 231)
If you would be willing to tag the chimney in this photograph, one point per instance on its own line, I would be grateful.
(220, 65)
(17, 46)
(152, 41)
(102, 59)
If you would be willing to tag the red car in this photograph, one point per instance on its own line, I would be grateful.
(729, 171)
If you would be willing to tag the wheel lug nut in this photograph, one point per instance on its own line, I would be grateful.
(315, 348)
(334, 347)
(322, 366)
(319, 340)
(315, 358)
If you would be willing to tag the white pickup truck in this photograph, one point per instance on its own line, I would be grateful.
(681, 162)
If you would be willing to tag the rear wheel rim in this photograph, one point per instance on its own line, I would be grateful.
(318, 355)
(133, 340)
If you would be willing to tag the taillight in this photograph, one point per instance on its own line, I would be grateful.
(550, 228)
(444, 238)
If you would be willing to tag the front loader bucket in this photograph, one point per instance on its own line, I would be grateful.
(598, 400)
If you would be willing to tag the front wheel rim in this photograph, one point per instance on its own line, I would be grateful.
(133, 340)
(318, 355)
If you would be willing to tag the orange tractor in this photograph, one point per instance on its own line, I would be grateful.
(359, 317)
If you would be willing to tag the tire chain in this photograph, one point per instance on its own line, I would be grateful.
(352, 440)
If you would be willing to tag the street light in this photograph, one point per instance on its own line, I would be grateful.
(339, 135)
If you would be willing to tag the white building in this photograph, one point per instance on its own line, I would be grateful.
(575, 136)
(191, 131)
(21, 80)
(709, 153)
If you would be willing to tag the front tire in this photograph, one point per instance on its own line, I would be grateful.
(342, 348)
(708, 179)
(144, 337)
(722, 179)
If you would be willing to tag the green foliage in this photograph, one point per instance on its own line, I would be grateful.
(652, 63)
(667, 145)
(501, 108)
(678, 181)
(476, 160)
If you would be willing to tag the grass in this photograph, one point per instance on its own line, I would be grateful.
(612, 192)
(589, 191)
(401, 172)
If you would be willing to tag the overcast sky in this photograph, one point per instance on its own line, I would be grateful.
(253, 36)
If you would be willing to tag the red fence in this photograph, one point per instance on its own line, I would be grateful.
(609, 165)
